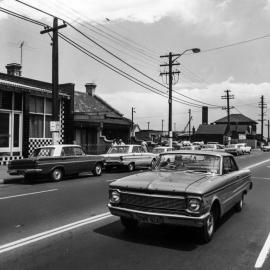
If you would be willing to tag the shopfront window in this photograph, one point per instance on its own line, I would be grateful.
(5, 100)
(4, 129)
(40, 117)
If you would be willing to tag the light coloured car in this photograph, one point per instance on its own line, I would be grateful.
(245, 148)
(189, 188)
(234, 149)
(161, 149)
(265, 148)
(128, 156)
(213, 147)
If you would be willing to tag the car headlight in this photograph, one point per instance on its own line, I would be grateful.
(114, 196)
(194, 205)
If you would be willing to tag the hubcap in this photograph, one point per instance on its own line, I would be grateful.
(98, 169)
(210, 224)
(57, 175)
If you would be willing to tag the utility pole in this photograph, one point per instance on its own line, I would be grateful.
(162, 121)
(55, 125)
(148, 124)
(262, 106)
(189, 123)
(170, 74)
(228, 97)
(132, 117)
(174, 126)
(21, 46)
(268, 126)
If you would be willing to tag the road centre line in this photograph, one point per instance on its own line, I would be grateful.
(257, 164)
(40, 236)
(263, 254)
(263, 178)
(28, 194)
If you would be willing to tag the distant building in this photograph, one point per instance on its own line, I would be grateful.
(96, 122)
(211, 133)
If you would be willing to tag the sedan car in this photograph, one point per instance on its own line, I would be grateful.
(56, 161)
(162, 149)
(128, 156)
(188, 188)
(265, 148)
(234, 149)
(213, 147)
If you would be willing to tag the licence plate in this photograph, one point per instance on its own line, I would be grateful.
(149, 219)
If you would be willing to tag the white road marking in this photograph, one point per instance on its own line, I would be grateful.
(257, 164)
(263, 254)
(40, 236)
(28, 194)
(264, 178)
(111, 180)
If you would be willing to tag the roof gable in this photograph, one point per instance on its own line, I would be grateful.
(211, 129)
(236, 118)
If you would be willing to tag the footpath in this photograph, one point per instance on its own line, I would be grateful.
(6, 178)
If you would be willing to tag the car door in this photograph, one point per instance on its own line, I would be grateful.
(146, 157)
(69, 160)
(83, 163)
(137, 155)
(232, 184)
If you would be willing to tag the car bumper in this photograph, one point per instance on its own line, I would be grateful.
(171, 219)
(24, 172)
(111, 164)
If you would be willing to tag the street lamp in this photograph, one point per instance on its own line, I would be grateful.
(172, 59)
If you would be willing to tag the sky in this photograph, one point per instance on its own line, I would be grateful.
(139, 32)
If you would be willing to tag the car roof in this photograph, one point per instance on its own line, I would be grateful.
(198, 152)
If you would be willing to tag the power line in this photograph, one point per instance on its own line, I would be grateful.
(114, 55)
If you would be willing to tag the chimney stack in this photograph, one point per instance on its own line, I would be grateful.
(14, 69)
(90, 89)
(205, 115)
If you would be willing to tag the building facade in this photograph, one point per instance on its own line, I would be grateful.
(26, 112)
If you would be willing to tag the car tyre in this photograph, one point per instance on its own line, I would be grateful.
(207, 231)
(129, 223)
(97, 170)
(131, 167)
(239, 206)
(57, 175)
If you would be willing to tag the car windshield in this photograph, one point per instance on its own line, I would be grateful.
(208, 146)
(189, 162)
(158, 150)
(118, 149)
(43, 152)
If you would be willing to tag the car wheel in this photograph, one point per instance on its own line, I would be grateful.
(239, 206)
(207, 231)
(131, 167)
(97, 170)
(57, 175)
(129, 223)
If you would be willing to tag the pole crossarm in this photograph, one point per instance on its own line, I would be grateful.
(52, 29)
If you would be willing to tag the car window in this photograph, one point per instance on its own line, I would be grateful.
(43, 152)
(67, 151)
(229, 165)
(118, 149)
(141, 149)
(135, 149)
(78, 151)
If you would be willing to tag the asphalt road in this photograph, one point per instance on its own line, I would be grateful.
(66, 225)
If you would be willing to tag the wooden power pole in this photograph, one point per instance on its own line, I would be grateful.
(55, 126)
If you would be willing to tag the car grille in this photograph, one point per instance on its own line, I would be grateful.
(152, 202)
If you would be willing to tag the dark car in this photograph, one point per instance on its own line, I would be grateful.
(188, 188)
(56, 161)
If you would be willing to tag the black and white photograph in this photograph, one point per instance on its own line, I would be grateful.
(134, 134)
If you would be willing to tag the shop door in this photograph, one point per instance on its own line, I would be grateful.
(16, 133)
(5, 131)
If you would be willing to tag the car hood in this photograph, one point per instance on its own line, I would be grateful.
(163, 181)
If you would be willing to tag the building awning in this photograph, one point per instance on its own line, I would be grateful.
(30, 89)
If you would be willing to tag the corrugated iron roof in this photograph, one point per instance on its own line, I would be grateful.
(236, 118)
(211, 129)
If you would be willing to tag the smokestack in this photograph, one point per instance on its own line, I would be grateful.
(205, 115)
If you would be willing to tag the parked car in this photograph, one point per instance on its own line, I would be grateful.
(189, 188)
(161, 149)
(265, 148)
(213, 147)
(128, 156)
(56, 161)
(245, 148)
(234, 149)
